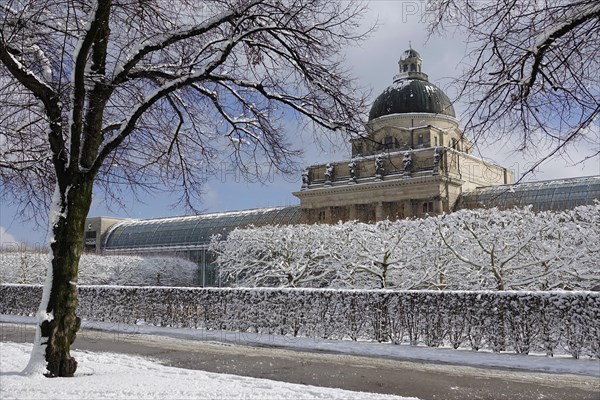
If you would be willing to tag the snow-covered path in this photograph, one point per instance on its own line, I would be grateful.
(560, 364)
(117, 376)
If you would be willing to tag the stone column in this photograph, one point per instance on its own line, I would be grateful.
(408, 209)
(379, 212)
(438, 206)
(352, 212)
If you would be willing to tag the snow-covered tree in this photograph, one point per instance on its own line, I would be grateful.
(381, 255)
(467, 250)
(28, 267)
(491, 245)
(117, 94)
(136, 270)
(344, 255)
(531, 69)
(287, 256)
(23, 266)
(519, 249)
(574, 237)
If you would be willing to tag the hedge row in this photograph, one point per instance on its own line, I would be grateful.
(521, 322)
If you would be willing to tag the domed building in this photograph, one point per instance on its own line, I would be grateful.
(412, 161)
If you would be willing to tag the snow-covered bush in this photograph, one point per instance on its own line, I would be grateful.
(23, 266)
(278, 256)
(30, 268)
(466, 250)
(544, 321)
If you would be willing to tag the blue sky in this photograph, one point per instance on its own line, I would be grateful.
(374, 63)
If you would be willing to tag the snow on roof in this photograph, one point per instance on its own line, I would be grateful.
(555, 194)
(540, 184)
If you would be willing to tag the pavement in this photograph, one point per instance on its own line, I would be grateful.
(425, 380)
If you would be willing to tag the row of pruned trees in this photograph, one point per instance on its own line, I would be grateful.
(28, 267)
(470, 249)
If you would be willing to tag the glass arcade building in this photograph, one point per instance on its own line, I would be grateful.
(188, 237)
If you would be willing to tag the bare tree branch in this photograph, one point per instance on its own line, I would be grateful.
(121, 95)
(531, 71)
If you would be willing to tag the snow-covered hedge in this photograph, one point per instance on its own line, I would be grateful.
(522, 322)
(30, 268)
(467, 250)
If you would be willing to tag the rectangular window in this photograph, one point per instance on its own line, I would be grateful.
(427, 207)
(321, 216)
(90, 240)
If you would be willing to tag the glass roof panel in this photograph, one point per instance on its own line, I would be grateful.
(194, 231)
(544, 195)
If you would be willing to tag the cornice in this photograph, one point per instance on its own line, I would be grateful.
(405, 116)
(372, 185)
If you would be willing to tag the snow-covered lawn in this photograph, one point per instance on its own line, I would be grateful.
(117, 376)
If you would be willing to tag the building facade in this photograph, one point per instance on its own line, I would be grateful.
(412, 161)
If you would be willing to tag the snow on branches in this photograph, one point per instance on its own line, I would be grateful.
(114, 95)
(467, 250)
(28, 267)
(133, 94)
(531, 70)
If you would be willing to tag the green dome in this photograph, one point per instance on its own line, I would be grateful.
(411, 96)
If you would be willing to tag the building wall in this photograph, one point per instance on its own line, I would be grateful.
(411, 131)
(424, 189)
(96, 229)
(475, 172)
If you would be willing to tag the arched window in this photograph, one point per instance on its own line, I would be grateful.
(388, 142)
(405, 67)
(413, 67)
(420, 139)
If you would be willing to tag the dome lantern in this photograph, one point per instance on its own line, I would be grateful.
(410, 66)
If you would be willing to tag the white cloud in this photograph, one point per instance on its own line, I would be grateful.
(6, 239)
(210, 198)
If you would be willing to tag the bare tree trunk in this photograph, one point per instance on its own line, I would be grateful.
(66, 248)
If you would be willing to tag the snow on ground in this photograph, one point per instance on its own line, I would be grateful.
(540, 363)
(117, 376)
